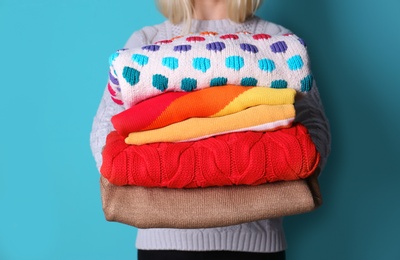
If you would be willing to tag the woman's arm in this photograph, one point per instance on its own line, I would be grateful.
(102, 125)
(309, 109)
(310, 112)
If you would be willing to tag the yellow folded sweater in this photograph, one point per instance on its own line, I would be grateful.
(257, 118)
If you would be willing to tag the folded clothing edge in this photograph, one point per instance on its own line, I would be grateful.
(208, 207)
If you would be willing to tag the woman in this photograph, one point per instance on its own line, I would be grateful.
(256, 240)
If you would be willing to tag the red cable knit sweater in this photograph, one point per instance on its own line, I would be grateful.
(249, 158)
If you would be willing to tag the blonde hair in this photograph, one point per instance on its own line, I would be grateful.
(178, 11)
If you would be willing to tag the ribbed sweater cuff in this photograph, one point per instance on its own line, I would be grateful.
(171, 239)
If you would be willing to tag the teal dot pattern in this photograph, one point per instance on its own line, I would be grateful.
(279, 83)
(234, 62)
(198, 61)
(140, 59)
(170, 62)
(188, 84)
(219, 81)
(131, 75)
(266, 65)
(295, 62)
(202, 64)
(160, 82)
(307, 83)
(249, 82)
(112, 58)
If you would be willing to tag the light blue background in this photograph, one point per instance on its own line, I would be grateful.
(53, 67)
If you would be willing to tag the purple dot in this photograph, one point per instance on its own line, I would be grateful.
(182, 48)
(151, 47)
(302, 42)
(113, 79)
(248, 47)
(279, 47)
(215, 46)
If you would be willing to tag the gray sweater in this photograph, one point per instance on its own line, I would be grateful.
(260, 236)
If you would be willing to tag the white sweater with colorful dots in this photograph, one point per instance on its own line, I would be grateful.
(261, 236)
(207, 59)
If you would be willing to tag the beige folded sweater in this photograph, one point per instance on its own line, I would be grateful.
(208, 207)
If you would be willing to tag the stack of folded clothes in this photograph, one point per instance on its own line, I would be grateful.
(208, 135)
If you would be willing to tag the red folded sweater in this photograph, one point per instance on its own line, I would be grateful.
(249, 158)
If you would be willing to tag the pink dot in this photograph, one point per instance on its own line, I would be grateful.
(195, 39)
(164, 42)
(261, 36)
(119, 102)
(111, 90)
(229, 36)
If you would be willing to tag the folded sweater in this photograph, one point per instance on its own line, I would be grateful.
(208, 207)
(257, 118)
(249, 158)
(172, 107)
(194, 62)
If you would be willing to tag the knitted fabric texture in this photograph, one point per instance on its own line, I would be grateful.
(200, 61)
(166, 108)
(257, 118)
(249, 158)
(208, 207)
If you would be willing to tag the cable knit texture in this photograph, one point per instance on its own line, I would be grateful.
(260, 236)
(249, 158)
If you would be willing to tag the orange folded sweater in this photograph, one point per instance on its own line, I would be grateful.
(172, 107)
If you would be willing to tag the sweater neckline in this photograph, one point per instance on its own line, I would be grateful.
(222, 25)
(220, 22)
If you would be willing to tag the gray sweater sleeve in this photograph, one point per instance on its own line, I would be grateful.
(102, 125)
(309, 108)
(310, 112)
